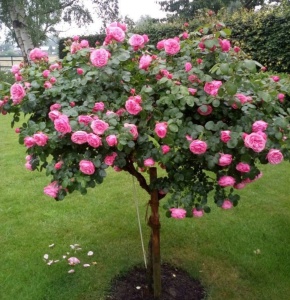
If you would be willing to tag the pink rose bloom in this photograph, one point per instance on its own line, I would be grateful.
(54, 114)
(227, 204)
(73, 261)
(87, 167)
(171, 46)
(85, 119)
(237, 49)
(58, 165)
(243, 167)
(226, 181)
(15, 69)
(47, 85)
(145, 62)
(52, 80)
(132, 106)
(198, 147)
(212, 88)
(188, 66)
(165, 149)
(115, 33)
(37, 54)
(199, 61)
(28, 166)
(45, 73)
(146, 38)
(52, 189)
(225, 45)
(160, 45)
(17, 93)
(136, 41)
(192, 91)
(197, 213)
(54, 66)
(259, 126)
(281, 97)
(84, 44)
(275, 156)
(240, 185)
(225, 159)
(55, 106)
(275, 78)
(109, 159)
(123, 26)
(255, 142)
(149, 162)
(201, 45)
(178, 213)
(99, 106)
(133, 130)
(225, 135)
(79, 137)
(80, 71)
(112, 140)
(207, 112)
(40, 139)
(94, 140)
(18, 77)
(29, 142)
(161, 129)
(62, 125)
(99, 126)
(99, 58)
(75, 47)
(243, 98)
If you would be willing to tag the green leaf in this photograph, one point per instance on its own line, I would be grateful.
(250, 65)
(173, 127)
(224, 68)
(231, 88)
(189, 101)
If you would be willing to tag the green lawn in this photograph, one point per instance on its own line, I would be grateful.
(218, 249)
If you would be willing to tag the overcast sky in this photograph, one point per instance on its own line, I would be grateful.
(133, 8)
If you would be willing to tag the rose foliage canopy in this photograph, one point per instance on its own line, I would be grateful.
(193, 104)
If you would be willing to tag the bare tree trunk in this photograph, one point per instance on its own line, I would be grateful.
(154, 261)
(17, 15)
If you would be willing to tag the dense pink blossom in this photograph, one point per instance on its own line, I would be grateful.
(115, 33)
(17, 92)
(52, 189)
(225, 45)
(79, 137)
(165, 149)
(178, 213)
(75, 47)
(197, 213)
(198, 147)
(37, 54)
(109, 159)
(85, 119)
(161, 129)
(225, 159)
(47, 85)
(45, 73)
(99, 58)
(72, 261)
(54, 114)
(133, 106)
(87, 167)
(212, 87)
(237, 49)
(55, 106)
(99, 126)
(243, 167)
(15, 69)
(145, 62)
(225, 135)
(259, 126)
(40, 138)
(281, 97)
(58, 165)
(171, 46)
(160, 45)
(133, 130)
(94, 140)
(275, 78)
(29, 142)
(192, 91)
(226, 181)
(187, 66)
(255, 141)
(80, 71)
(227, 204)
(84, 44)
(136, 41)
(62, 125)
(112, 140)
(99, 106)
(275, 156)
(149, 162)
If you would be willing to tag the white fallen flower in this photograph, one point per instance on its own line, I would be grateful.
(50, 262)
(90, 253)
(51, 246)
(138, 287)
(86, 265)
(45, 256)
(71, 271)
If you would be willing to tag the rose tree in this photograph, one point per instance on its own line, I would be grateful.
(193, 104)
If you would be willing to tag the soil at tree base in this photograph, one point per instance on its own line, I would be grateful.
(176, 284)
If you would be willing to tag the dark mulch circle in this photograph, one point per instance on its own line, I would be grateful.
(176, 284)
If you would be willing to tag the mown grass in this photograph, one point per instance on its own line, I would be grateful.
(218, 249)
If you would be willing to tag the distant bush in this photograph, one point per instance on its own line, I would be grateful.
(6, 76)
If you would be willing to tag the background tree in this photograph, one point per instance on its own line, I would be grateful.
(29, 22)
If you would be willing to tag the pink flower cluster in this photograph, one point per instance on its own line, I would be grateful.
(37, 54)
(39, 139)
(212, 87)
(99, 58)
(170, 46)
(133, 106)
(138, 41)
(198, 147)
(52, 189)
(161, 129)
